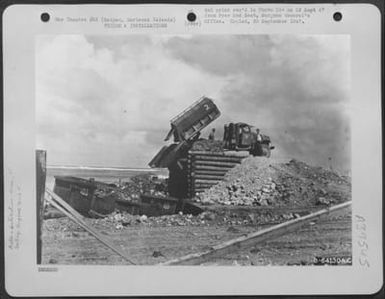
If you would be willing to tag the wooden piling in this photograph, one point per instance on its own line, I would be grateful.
(242, 154)
(207, 172)
(41, 172)
(204, 186)
(206, 181)
(216, 163)
(216, 158)
(211, 168)
(206, 169)
(208, 177)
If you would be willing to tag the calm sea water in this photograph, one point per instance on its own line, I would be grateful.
(108, 175)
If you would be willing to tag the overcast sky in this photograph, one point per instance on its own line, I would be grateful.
(107, 100)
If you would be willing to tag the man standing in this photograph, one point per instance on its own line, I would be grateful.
(212, 134)
(259, 136)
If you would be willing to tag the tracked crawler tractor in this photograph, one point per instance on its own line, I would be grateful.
(243, 137)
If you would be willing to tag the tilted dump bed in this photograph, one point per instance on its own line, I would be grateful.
(189, 122)
(185, 127)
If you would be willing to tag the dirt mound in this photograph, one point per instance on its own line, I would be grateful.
(260, 181)
(207, 145)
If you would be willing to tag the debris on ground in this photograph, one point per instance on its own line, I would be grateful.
(233, 229)
(52, 261)
(133, 187)
(157, 254)
(119, 221)
(324, 201)
(261, 181)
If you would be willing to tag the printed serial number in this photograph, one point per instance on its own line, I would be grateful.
(333, 260)
(48, 269)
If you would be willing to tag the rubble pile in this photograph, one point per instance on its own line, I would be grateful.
(260, 181)
(145, 183)
(132, 188)
(119, 220)
(207, 145)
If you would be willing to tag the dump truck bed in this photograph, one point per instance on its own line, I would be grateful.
(185, 127)
(193, 119)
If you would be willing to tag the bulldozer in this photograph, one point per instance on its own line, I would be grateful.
(243, 137)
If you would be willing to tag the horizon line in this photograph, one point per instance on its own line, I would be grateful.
(102, 167)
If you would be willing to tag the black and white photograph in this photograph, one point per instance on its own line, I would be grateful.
(192, 150)
(213, 150)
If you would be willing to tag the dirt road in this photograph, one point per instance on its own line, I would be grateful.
(327, 237)
(148, 243)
